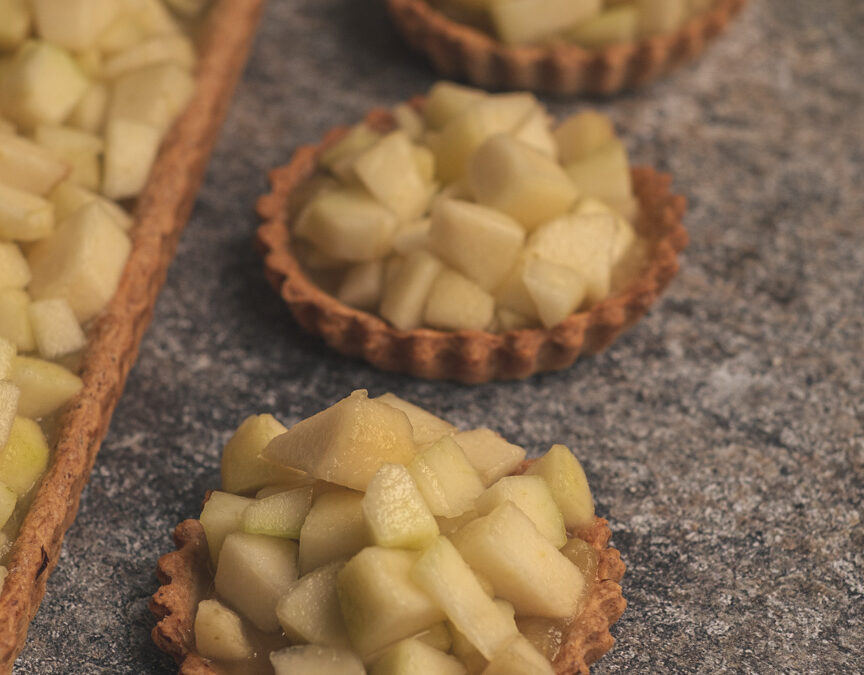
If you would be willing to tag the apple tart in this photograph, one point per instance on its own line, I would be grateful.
(560, 46)
(464, 237)
(376, 537)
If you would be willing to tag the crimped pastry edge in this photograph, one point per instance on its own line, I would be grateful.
(465, 356)
(162, 210)
(462, 51)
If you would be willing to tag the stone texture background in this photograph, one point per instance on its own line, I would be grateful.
(722, 435)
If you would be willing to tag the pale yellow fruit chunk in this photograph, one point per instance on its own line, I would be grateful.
(8, 499)
(508, 319)
(9, 397)
(405, 295)
(130, 150)
(7, 353)
(44, 386)
(335, 528)
(188, 8)
(81, 261)
(625, 235)
(446, 100)
(14, 27)
(23, 215)
(176, 49)
(356, 140)
(315, 660)
(512, 292)
(449, 525)
(519, 657)
(427, 427)
(279, 515)
(523, 566)
(445, 478)
(414, 657)
(68, 197)
(79, 149)
(490, 453)
(657, 17)
(380, 602)
(605, 173)
(254, 571)
(536, 133)
(347, 443)
(582, 134)
(555, 289)
(154, 95)
(395, 512)
(438, 637)
(89, 113)
(480, 242)
(55, 328)
(528, 21)
(24, 457)
(73, 24)
(520, 181)
(29, 167)
(612, 26)
(566, 479)
(362, 285)
(15, 319)
(446, 577)
(309, 611)
(412, 236)
(534, 498)
(409, 121)
(348, 224)
(219, 633)
(457, 303)
(222, 515)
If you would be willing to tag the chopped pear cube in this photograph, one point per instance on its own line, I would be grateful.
(604, 173)
(612, 26)
(583, 134)
(555, 289)
(335, 528)
(445, 478)
(409, 121)
(490, 453)
(427, 427)
(154, 95)
(519, 657)
(414, 657)
(380, 602)
(404, 297)
(154, 17)
(529, 21)
(657, 17)
(7, 354)
(523, 566)
(457, 303)
(14, 26)
(8, 499)
(480, 242)
(347, 443)
(315, 660)
(15, 319)
(68, 197)
(513, 294)
(412, 236)
(79, 149)
(29, 167)
(449, 525)
(24, 457)
(566, 479)
(219, 633)
(446, 100)
(9, 397)
(356, 140)
(536, 133)
(74, 24)
(176, 49)
(396, 514)
(23, 215)
(309, 611)
(222, 515)
(254, 571)
(279, 515)
(14, 270)
(130, 150)
(45, 386)
(534, 498)
(362, 285)
(55, 328)
(438, 636)
(625, 235)
(89, 113)
(584, 556)
(508, 319)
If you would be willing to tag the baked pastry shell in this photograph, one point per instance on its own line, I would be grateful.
(465, 356)
(459, 50)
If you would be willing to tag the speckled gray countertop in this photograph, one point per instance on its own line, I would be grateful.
(723, 436)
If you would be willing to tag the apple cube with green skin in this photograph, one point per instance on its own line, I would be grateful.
(219, 633)
(427, 427)
(280, 515)
(557, 291)
(14, 270)
(480, 242)
(362, 285)
(24, 457)
(445, 478)
(82, 261)
(309, 611)
(14, 26)
(534, 498)
(457, 303)
(347, 443)
(530, 21)
(23, 215)
(222, 515)
(514, 178)
(335, 528)
(523, 566)
(611, 26)
(566, 479)
(8, 499)
(490, 453)
(154, 95)
(55, 328)
(29, 167)
(582, 134)
(73, 24)
(519, 657)
(604, 174)
(315, 660)
(396, 514)
(45, 386)
(446, 100)
(380, 602)
(130, 150)
(414, 657)
(15, 319)
(404, 297)
(254, 571)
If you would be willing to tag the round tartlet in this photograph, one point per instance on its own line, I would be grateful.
(463, 51)
(466, 356)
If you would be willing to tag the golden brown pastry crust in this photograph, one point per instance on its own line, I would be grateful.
(462, 51)
(464, 356)
(161, 212)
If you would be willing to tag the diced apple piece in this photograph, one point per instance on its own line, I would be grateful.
(520, 181)
(24, 457)
(536, 133)
(73, 24)
(7, 354)
(437, 637)
(348, 224)
(222, 515)
(15, 319)
(315, 660)
(362, 285)
(44, 386)
(9, 397)
(545, 635)
(605, 173)
(154, 95)
(413, 657)
(23, 215)
(519, 657)
(81, 261)
(509, 319)
(427, 427)
(68, 197)
(153, 17)
(584, 556)
(55, 328)
(14, 23)
(335, 528)
(424, 160)
(445, 478)
(79, 149)
(523, 566)
(489, 453)
(29, 167)
(530, 21)
(404, 297)
(457, 303)
(448, 526)
(176, 49)
(356, 140)
(555, 289)
(219, 633)
(534, 498)
(130, 150)
(280, 515)
(583, 134)
(409, 121)
(42, 85)
(396, 514)
(566, 479)
(446, 577)
(446, 100)
(254, 571)
(657, 17)
(412, 236)
(347, 443)
(612, 26)
(512, 292)
(309, 611)
(480, 242)
(89, 113)
(380, 603)
(8, 497)
(625, 234)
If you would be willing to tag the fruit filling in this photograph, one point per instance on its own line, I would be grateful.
(376, 537)
(472, 212)
(88, 90)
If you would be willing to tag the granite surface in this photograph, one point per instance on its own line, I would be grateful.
(722, 435)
